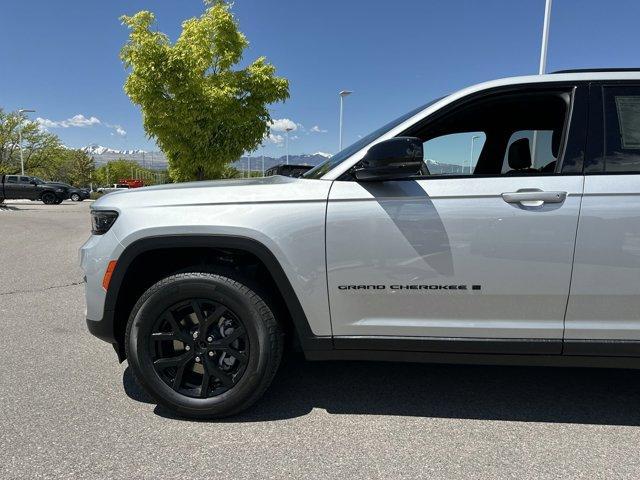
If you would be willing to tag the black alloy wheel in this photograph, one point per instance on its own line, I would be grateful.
(203, 345)
(199, 348)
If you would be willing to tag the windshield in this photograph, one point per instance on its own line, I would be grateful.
(341, 156)
(39, 181)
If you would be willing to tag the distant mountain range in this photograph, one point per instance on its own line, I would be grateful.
(157, 160)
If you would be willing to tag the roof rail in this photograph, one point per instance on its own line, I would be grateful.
(595, 70)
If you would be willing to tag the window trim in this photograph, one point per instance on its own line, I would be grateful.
(575, 135)
(595, 156)
(596, 153)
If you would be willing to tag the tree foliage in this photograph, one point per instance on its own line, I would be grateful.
(116, 170)
(44, 155)
(203, 112)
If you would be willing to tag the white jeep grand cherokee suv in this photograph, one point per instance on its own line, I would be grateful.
(499, 224)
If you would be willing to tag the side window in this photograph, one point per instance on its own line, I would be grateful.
(505, 134)
(621, 129)
(25, 180)
(12, 179)
(453, 154)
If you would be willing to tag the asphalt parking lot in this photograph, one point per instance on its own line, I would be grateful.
(69, 410)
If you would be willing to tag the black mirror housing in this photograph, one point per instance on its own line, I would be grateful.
(393, 159)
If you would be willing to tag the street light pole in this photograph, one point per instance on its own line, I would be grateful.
(343, 93)
(543, 65)
(22, 110)
(473, 139)
(545, 38)
(288, 129)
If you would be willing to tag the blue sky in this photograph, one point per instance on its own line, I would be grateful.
(61, 58)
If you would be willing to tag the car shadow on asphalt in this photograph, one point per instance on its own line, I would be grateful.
(526, 394)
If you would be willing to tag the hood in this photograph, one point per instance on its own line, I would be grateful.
(251, 190)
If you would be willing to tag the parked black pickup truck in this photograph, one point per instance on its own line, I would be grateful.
(13, 187)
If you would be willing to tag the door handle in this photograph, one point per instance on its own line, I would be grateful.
(535, 196)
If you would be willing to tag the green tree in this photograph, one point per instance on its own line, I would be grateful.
(39, 147)
(120, 169)
(203, 112)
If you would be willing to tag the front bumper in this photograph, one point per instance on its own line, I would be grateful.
(95, 255)
(103, 329)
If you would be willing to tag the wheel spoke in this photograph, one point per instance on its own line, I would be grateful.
(205, 323)
(238, 355)
(177, 381)
(177, 330)
(163, 363)
(206, 380)
(163, 336)
(213, 370)
(228, 340)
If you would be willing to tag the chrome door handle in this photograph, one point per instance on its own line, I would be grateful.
(537, 196)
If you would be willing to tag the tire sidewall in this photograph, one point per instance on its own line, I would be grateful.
(48, 198)
(209, 287)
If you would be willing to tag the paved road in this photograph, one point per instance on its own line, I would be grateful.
(69, 410)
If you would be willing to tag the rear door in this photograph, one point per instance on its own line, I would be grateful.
(27, 188)
(12, 187)
(603, 313)
(463, 254)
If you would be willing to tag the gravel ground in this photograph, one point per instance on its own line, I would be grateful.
(69, 410)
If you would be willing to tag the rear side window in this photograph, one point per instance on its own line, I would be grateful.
(12, 179)
(621, 129)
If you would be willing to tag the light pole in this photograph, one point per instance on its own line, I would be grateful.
(545, 38)
(288, 129)
(543, 65)
(343, 93)
(473, 139)
(22, 110)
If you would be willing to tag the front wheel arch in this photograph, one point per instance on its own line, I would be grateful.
(148, 260)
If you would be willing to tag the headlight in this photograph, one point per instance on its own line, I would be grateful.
(102, 220)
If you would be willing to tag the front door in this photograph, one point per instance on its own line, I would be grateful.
(481, 246)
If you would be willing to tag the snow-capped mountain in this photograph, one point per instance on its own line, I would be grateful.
(157, 160)
(100, 150)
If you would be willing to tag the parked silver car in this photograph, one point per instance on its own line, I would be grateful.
(498, 224)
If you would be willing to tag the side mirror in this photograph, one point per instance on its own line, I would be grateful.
(394, 159)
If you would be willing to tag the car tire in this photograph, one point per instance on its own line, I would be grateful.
(48, 198)
(76, 197)
(203, 345)
(58, 201)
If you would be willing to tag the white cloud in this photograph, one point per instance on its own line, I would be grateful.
(317, 129)
(274, 138)
(78, 120)
(281, 125)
